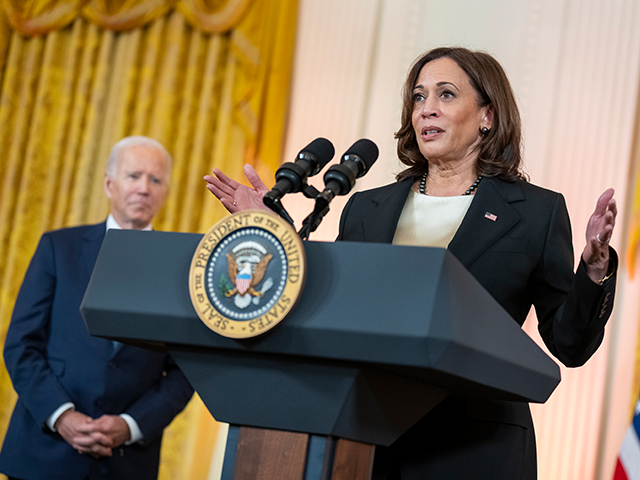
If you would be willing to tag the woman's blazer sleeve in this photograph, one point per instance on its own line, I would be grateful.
(572, 310)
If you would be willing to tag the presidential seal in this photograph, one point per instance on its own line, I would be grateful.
(247, 274)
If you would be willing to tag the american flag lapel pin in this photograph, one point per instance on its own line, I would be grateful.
(491, 216)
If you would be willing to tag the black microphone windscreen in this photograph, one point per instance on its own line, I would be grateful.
(366, 150)
(322, 149)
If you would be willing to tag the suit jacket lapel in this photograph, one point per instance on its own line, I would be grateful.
(380, 224)
(477, 232)
(91, 246)
(91, 243)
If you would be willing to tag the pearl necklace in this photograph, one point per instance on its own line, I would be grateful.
(472, 187)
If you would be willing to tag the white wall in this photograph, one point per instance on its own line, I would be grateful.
(574, 65)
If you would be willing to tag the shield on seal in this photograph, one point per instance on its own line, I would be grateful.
(243, 282)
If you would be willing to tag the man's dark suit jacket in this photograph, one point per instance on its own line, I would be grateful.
(52, 359)
(524, 257)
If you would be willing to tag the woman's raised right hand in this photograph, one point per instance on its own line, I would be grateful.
(233, 195)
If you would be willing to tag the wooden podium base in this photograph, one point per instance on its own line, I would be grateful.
(352, 460)
(261, 454)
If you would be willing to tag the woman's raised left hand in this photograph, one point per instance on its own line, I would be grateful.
(599, 231)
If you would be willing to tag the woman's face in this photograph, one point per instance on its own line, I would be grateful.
(446, 117)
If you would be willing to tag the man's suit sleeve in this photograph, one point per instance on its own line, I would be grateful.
(154, 410)
(572, 310)
(25, 350)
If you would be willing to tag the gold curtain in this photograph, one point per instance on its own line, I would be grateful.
(207, 78)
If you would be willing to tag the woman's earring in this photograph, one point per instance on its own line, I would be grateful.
(485, 130)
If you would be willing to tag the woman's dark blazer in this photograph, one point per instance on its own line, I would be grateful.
(516, 241)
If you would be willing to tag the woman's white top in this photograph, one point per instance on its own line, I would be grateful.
(428, 221)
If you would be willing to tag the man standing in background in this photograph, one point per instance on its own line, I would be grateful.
(88, 407)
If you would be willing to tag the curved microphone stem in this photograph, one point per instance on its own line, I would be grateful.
(279, 209)
(338, 180)
(313, 220)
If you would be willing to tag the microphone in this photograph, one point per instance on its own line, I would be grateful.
(340, 179)
(292, 177)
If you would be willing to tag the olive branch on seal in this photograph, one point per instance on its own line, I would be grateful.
(224, 286)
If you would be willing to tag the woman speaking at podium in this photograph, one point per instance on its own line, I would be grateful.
(464, 189)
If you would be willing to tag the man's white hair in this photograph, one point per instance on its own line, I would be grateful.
(126, 142)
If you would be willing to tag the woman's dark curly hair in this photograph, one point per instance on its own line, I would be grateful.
(499, 151)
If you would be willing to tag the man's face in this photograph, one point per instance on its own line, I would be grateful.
(139, 187)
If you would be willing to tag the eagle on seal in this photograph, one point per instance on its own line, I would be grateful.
(245, 276)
